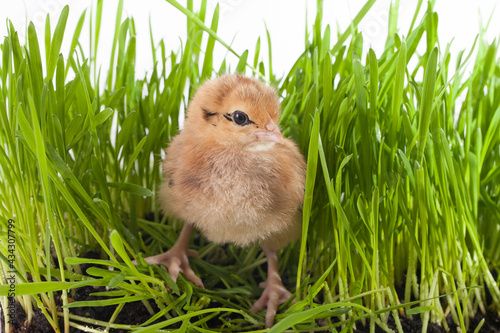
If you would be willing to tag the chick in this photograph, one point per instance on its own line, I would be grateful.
(231, 174)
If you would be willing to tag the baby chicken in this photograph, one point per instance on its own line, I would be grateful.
(231, 174)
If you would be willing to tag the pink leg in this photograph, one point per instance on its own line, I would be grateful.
(274, 292)
(176, 259)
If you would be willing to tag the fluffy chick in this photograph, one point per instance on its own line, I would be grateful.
(231, 174)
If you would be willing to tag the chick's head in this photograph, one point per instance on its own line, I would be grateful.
(235, 110)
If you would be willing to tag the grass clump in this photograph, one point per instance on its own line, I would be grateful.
(402, 198)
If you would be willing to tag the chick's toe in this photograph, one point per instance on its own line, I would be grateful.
(176, 261)
(274, 292)
(273, 295)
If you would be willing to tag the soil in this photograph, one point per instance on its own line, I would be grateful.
(135, 313)
(491, 325)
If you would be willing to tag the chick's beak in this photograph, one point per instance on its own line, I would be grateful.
(270, 134)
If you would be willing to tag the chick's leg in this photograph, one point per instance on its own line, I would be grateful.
(274, 292)
(176, 259)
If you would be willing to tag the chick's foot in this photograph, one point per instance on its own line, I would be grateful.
(176, 260)
(274, 295)
(274, 292)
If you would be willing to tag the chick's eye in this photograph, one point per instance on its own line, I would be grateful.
(240, 118)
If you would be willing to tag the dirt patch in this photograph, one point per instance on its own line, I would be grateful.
(136, 313)
(414, 325)
(133, 313)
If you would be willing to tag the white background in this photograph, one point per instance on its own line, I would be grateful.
(242, 22)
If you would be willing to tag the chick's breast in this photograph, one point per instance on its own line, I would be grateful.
(235, 196)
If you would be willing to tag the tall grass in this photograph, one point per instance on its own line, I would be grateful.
(402, 197)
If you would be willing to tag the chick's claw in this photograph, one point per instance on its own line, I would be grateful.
(273, 295)
(176, 260)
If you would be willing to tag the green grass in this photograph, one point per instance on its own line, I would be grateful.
(402, 196)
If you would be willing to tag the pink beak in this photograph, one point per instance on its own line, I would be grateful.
(271, 134)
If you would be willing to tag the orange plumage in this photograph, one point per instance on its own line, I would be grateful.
(231, 174)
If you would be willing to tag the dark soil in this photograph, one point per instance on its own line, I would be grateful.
(136, 313)
(133, 313)
(491, 325)
(414, 325)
